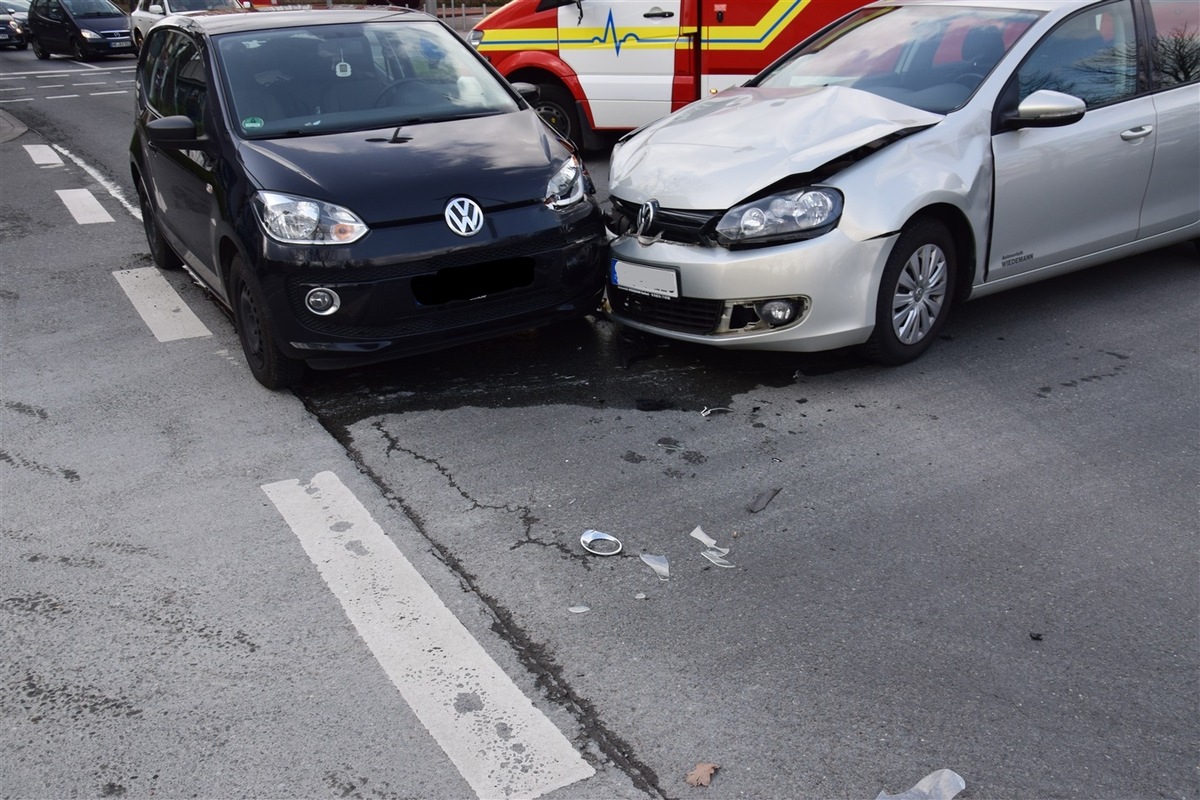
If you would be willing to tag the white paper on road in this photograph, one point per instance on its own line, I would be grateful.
(160, 306)
(500, 743)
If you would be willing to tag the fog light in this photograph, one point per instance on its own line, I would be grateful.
(777, 312)
(322, 301)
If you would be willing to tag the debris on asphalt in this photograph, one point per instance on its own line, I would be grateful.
(701, 774)
(699, 535)
(1037, 637)
(943, 784)
(717, 559)
(762, 500)
(599, 543)
(640, 596)
(659, 565)
(579, 609)
(708, 412)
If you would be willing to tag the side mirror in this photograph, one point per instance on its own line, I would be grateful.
(177, 132)
(1045, 109)
(156, 10)
(530, 92)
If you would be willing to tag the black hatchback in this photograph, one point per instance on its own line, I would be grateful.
(356, 185)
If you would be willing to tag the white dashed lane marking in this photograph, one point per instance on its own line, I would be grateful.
(500, 743)
(43, 155)
(161, 308)
(84, 206)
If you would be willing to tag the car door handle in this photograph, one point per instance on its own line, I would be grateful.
(1140, 132)
(659, 14)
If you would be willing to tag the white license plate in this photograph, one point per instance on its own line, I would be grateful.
(645, 280)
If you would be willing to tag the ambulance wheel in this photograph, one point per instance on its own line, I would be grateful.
(557, 107)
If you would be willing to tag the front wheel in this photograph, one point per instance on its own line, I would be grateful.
(78, 51)
(557, 107)
(267, 362)
(915, 293)
(41, 52)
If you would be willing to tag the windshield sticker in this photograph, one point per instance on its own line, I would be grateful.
(342, 69)
(251, 123)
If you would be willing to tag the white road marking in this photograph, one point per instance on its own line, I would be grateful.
(108, 185)
(84, 206)
(101, 94)
(14, 89)
(18, 100)
(161, 308)
(93, 83)
(500, 743)
(53, 86)
(60, 96)
(43, 155)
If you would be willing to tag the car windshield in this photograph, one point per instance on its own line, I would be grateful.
(355, 76)
(928, 57)
(15, 6)
(89, 9)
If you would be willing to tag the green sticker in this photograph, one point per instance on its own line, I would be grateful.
(252, 122)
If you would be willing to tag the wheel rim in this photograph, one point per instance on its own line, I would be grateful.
(251, 327)
(920, 294)
(554, 115)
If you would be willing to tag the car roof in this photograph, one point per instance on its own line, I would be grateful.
(1016, 5)
(219, 21)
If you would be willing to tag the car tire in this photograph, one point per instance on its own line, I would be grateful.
(556, 105)
(915, 293)
(137, 40)
(78, 52)
(42, 53)
(267, 362)
(160, 249)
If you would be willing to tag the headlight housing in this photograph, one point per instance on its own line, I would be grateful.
(90, 35)
(566, 188)
(784, 217)
(299, 220)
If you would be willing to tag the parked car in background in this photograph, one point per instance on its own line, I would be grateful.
(12, 32)
(82, 29)
(19, 9)
(147, 12)
(913, 156)
(356, 185)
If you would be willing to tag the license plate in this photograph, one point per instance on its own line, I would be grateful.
(3, 37)
(645, 280)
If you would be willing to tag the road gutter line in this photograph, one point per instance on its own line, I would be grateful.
(501, 744)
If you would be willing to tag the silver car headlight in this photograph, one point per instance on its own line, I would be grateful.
(299, 220)
(566, 188)
(90, 35)
(788, 216)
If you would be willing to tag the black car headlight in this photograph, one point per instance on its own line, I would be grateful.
(784, 217)
(299, 220)
(567, 187)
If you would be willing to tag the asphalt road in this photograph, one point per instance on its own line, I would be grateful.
(984, 561)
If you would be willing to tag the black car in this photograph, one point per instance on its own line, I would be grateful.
(356, 185)
(12, 32)
(82, 29)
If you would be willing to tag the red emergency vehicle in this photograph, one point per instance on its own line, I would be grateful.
(618, 64)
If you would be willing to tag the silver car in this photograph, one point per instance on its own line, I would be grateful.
(909, 157)
(147, 12)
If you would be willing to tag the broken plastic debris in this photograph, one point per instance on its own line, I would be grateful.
(710, 411)
(943, 784)
(640, 596)
(602, 544)
(762, 500)
(659, 565)
(716, 557)
(579, 609)
(699, 535)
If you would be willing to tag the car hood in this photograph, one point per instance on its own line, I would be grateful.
(500, 160)
(103, 22)
(717, 152)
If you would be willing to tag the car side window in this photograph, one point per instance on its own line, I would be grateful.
(1092, 56)
(174, 79)
(1175, 42)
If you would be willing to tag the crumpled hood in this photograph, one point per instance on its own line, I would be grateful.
(498, 160)
(717, 152)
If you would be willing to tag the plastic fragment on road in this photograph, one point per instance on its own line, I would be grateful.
(942, 784)
(708, 412)
(640, 596)
(659, 565)
(699, 535)
(760, 502)
(579, 609)
(717, 558)
(601, 544)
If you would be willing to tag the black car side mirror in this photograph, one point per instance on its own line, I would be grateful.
(177, 131)
(531, 92)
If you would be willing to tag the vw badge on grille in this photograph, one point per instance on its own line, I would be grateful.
(464, 216)
(645, 217)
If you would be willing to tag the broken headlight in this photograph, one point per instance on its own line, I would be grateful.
(784, 217)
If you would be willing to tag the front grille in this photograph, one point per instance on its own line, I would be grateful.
(683, 314)
(674, 225)
(115, 34)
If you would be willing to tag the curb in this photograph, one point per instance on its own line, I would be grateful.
(10, 127)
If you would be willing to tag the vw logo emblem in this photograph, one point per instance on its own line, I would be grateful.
(645, 217)
(464, 216)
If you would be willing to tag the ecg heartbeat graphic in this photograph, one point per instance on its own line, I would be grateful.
(610, 27)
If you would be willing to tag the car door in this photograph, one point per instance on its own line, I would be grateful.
(1066, 192)
(181, 182)
(1173, 196)
(53, 26)
(624, 54)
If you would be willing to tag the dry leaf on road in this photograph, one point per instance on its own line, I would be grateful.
(702, 774)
